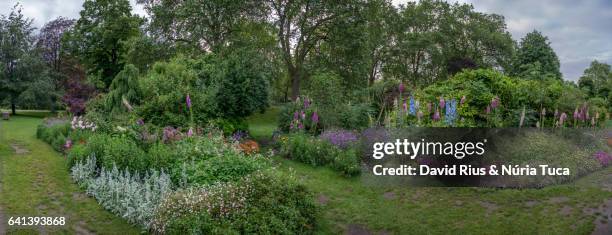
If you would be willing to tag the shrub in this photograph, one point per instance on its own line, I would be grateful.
(161, 156)
(223, 169)
(124, 153)
(347, 162)
(319, 152)
(262, 203)
(125, 194)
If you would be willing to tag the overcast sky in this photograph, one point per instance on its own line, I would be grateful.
(579, 31)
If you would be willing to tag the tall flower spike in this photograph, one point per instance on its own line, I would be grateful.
(442, 102)
(315, 117)
(436, 115)
(188, 101)
(190, 132)
(462, 100)
(494, 102)
(401, 88)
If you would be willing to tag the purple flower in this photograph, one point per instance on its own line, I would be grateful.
(604, 158)
(576, 114)
(405, 106)
(462, 101)
(495, 102)
(140, 122)
(239, 135)
(488, 109)
(315, 117)
(442, 102)
(562, 118)
(436, 115)
(339, 138)
(190, 132)
(303, 114)
(401, 87)
(295, 115)
(188, 101)
(306, 103)
(68, 144)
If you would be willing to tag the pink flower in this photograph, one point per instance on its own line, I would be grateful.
(68, 144)
(315, 117)
(442, 102)
(495, 102)
(188, 101)
(562, 118)
(190, 132)
(436, 115)
(488, 109)
(401, 87)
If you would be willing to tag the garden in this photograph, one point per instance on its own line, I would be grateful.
(248, 118)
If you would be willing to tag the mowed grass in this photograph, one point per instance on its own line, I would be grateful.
(349, 205)
(38, 183)
(262, 125)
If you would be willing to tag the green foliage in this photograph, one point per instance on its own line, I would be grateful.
(124, 153)
(262, 203)
(124, 88)
(535, 55)
(98, 36)
(313, 151)
(597, 81)
(431, 36)
(55, 134)
(242, 86)
(226, 168)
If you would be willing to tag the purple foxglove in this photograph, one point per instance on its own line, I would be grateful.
(188, 101)
(315, 117)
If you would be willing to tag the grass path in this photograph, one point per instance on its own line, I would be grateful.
(35, 181)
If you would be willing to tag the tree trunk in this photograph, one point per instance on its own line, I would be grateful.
(13, 107)
(295, 84)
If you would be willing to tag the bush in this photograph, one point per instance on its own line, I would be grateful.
(262, 203)
(161, 156)
(125, 194)
(124, 153)
(347, 162)
(320, 152)
(223, 169)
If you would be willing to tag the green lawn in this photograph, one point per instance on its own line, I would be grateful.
(261, 125)
(350, 206)
(37, 183)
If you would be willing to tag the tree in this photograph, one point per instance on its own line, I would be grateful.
(49, 43)
(99, 35)
(203, 25)
(434, 39)
(534, 47)
(597, 80)
(301, 26)
(15, 47)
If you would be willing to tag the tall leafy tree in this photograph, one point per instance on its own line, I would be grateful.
(535, 48)
(597, 80)
(197, 24)
(49, 43)
(301, 25)
(99, 35)
(16, 42)
(435, 39)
